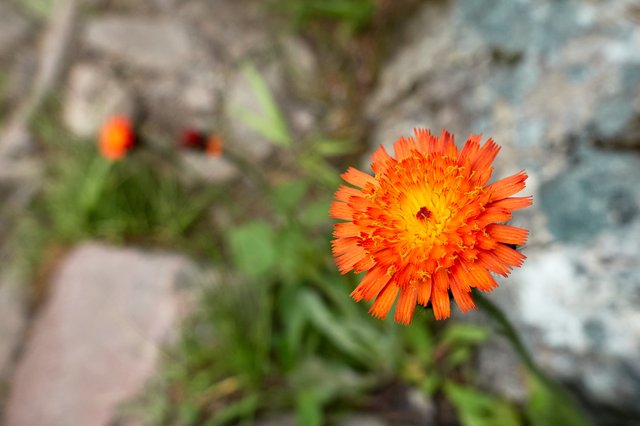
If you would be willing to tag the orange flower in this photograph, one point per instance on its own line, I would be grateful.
(214, 146)
(427, 223)
(116, 138)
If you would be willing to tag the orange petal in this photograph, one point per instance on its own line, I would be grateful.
(402, 148)
(508, 234)
(491, 262)
(448, 146)
(485, 156)
(346, 230)
(406, 305)
(425, 141)
(440, 295)
(347, 261)
(384, 301)
(513, 203)
(424, 292)
(470, 148)
(344, 193)
(340, 211)
(461, 293)
(381, 160)
(507, 186)
(372, 284)
(357, 178)
(481, 279)
(509, 256)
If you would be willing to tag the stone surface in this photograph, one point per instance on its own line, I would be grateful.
(361, 420)
(97, 340)
(530, 73)
(501, 371)
(13, 28)
(13, 320)
(152, 44)
(555, 83)
(210, 169)
(93, 95)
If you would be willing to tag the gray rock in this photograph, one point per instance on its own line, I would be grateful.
(153, 44)
(361, 420)
(280, 420)
(301, 63)
(548, 80)
(93, 95)
(511, 69)
(577, 309)
(13, 28)
(501, 371)
(98, 338)
(210, 169)
(235, 30)
(593, 196)
(13, 321)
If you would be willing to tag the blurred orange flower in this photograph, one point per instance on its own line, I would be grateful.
(427, 223)
(214, 146)
(116, 138)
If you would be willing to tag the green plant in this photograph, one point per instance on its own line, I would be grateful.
(280, 332)
(355, 14)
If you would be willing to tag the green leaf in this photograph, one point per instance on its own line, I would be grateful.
(270, 123)
(332, 327)
(315, 213)
(420, 341)
(242, 409)
(334, 147)
(477, 408)
(253, 248)
(547, 408)
(289, 195)
(309, 408)
(465, 334)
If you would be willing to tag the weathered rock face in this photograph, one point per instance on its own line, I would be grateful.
(97, 340)
(555, 83)
(13, 27)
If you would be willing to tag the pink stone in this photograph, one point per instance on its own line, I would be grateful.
(97, 340)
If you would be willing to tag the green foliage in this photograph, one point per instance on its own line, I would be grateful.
(38, 9)
(477, 408)
(356, 14)
(270, 122)
(548, 407)
(84, 196)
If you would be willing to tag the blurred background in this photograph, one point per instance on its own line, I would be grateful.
(191, 281)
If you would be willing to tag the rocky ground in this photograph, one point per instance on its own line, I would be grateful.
(556, 83)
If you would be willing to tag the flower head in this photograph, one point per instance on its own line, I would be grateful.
(116, 138)
(215, 146)
(427, 224)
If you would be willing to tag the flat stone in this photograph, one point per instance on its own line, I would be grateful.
(13, 27)
(97, 340)
(210, 169)
(93, 95)
(155, 44)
